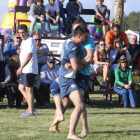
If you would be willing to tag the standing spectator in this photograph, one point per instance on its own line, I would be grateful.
(49, 72)
(62, 14)
(37, 12)
(134, 50)
(101, 12)
(73, 7)
(117, 53)
(13, 91)
(116, 32)
(50, 9)
(28, 69)
(11, 48)
(42, 51)
(123, 77)
(136, 82)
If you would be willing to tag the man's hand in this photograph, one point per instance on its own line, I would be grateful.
(18, 51)
(41, 19)
(19, 71)
(78, 2)
(54, 21)
(127, 86)
(68, 66)
(3, 84)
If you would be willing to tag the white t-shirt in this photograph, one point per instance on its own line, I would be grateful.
(29, 46)
(51, 9)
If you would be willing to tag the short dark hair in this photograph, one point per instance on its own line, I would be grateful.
(80, 30)
(81, 22)
(117, 26)
(102, 39)
(42, 1)
(23, 27)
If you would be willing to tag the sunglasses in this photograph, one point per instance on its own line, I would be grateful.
(37, 39)
(102, 44)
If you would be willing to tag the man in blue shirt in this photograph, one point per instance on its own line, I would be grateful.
(11, 48)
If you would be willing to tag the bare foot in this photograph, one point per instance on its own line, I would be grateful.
(84, 133)
(55, 130)
(74, 137)
(58, 120)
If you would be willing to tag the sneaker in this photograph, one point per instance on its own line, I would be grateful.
(44, 34)
(62, 35)
(27, 110)
(109, 23)
(49, 35)
(28, 114)
(134, 107)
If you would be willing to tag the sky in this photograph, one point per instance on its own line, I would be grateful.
(130, 5)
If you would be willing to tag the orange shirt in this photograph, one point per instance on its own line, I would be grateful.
(110, 37)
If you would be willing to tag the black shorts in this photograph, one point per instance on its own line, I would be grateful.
(82, 81)
(99, 21)
(27, 79)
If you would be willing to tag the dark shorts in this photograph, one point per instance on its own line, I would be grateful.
(82, 81)
(67, 86)
(55, 89)
(99, 21)
(27, 79)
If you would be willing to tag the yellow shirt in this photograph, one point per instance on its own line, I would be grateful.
(136, 80)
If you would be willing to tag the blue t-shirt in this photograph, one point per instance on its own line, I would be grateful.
(10, 50)
(69, 50)
(88, 45)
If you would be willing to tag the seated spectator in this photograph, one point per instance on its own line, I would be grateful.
(101, 63)
(37, 13)
(136, 82)
(73, 7)
(50, 9)
(42, 51)
(117, 53)
(123, 78)
(11, 48)
(134, 50)
(49, 72)
(12, 87)
(62, 15)
(101, 12)
(116, 32)
(36, 90)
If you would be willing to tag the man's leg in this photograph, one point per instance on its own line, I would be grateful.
(33, 22)
(29, 91)
(67, 25)
(78, 102)
(47, 23)
(60, 28)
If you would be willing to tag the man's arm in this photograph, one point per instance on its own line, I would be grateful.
(58, 16)
(47, 15)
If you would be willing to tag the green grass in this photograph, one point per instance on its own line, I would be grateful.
(106, 122)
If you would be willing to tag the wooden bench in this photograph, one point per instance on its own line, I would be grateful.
(25, 9)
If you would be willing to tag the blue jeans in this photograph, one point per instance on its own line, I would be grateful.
(60, 24)
(67, 25)
(70, 23)
(137, 97)
(124, 92)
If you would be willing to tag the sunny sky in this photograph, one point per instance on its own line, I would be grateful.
(130, 5)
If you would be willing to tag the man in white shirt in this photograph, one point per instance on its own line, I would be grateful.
(50, 9)
(28, 69)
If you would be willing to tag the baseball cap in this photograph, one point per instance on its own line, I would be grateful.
(51, 59)
(16, 35)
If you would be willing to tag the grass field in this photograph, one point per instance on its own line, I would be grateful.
(106, 122)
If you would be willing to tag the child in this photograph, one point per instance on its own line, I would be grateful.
(136, 82)
(62, 14)
(37, 12)
(50, 9)
(101, 12)
(74, 7)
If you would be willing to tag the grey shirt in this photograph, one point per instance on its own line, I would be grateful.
(102, 10)
(45, 49)
(36, 11)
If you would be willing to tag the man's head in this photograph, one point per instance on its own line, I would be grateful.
(78, 23)
(37, 39)
(51, 62)
(117, 30)
(100, 2)
(81, 34)
(17, 40)
(52, 2)
(23, 31)
(72, 1)
(133, 39)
